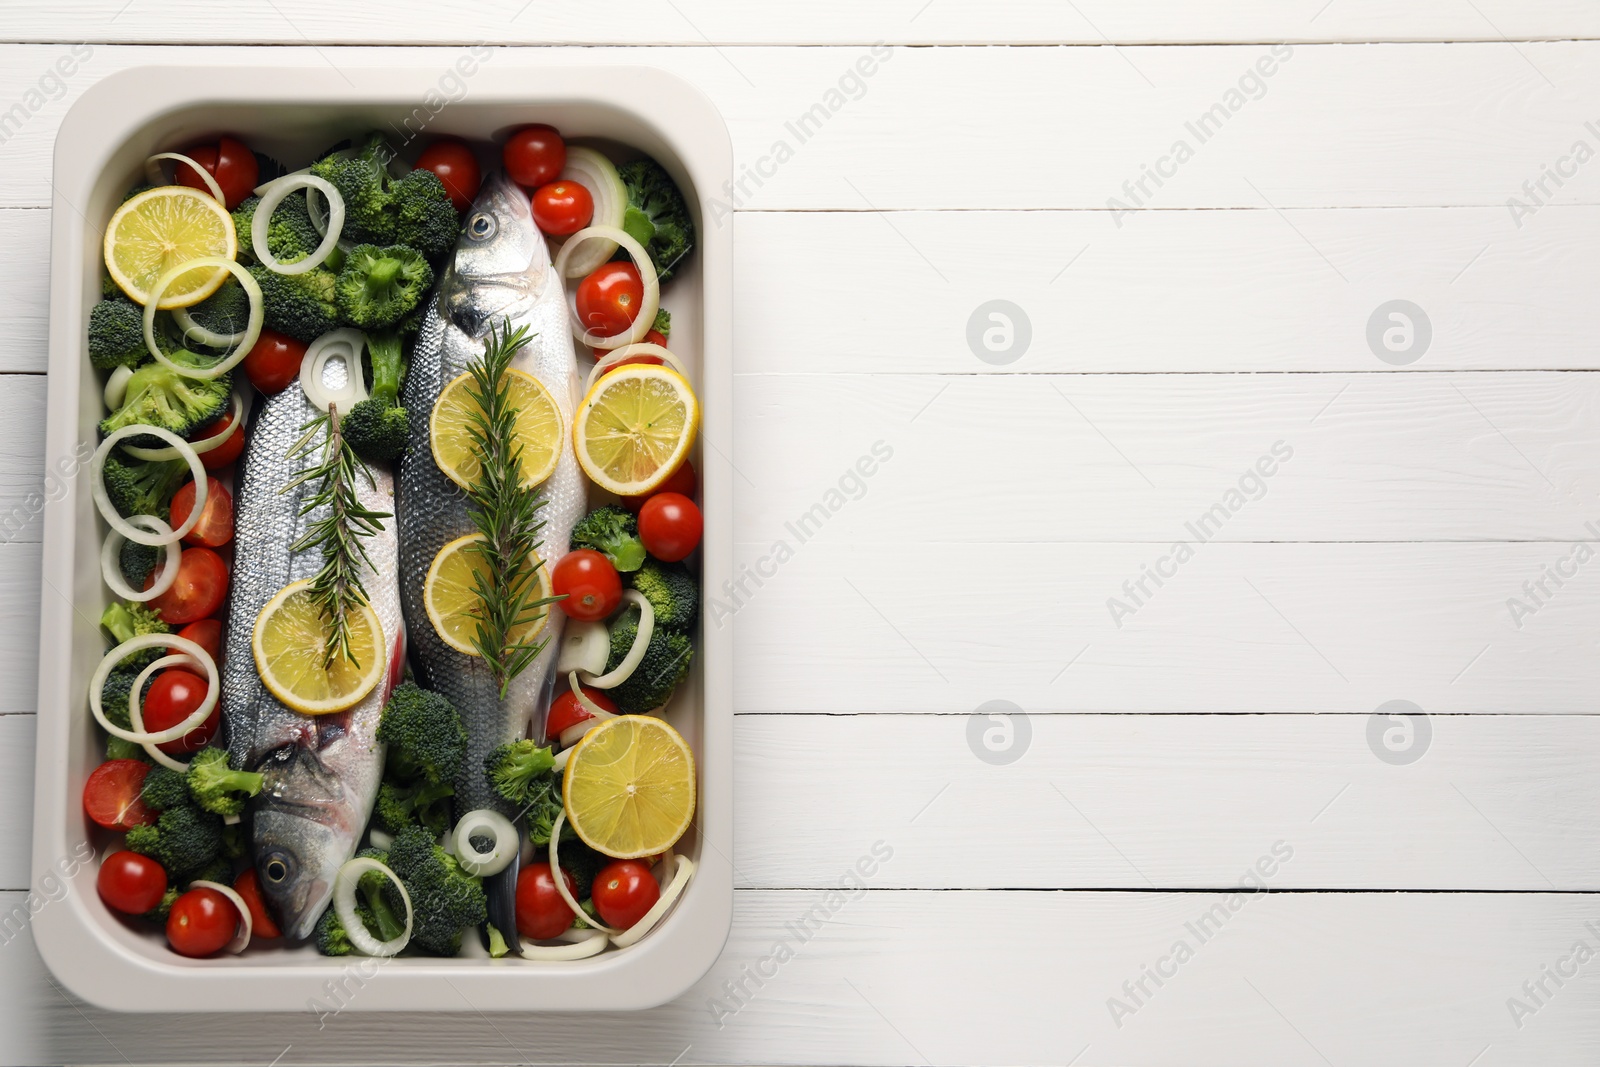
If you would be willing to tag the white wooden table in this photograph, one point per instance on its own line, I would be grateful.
(1092, 900)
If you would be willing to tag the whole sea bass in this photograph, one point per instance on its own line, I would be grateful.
(500, 273)
(322, 771)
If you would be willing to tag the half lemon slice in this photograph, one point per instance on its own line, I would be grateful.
(289, 644)
(451, 596)
(539, 428)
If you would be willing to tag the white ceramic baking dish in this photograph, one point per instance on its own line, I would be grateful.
(290, 113)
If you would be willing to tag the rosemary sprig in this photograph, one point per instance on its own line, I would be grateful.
(506, 514)
(337, 588)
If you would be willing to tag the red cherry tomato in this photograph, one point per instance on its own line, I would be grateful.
(215, 527)
(198, 592)
(534, 155)
(623, 891)
(681, 480)
(248, 886)
(589, 582)
(562, 207)
(111, 795)
(453, 163)
(541, 913)
(670, 526)
(172, 698)
(226, 452)
(206, 156)
(610, 298)
(202, 922)
(230, 162)
(131, 883)
(274, 362)
(566, 711)
(207, 633)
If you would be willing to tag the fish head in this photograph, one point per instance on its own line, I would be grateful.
(500, 266)
(301, 835)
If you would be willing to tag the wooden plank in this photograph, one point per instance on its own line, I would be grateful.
(1472, 122)
(694, 22)
(1409, 980)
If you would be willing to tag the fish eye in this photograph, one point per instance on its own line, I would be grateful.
(481, 226)
(276, 869)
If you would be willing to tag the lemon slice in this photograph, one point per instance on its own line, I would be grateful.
(161, 228)
(451, 596)
(289, 642)
(629, 787)
(539, 428)
(635, 427)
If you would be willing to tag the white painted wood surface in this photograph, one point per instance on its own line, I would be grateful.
(1230, 710)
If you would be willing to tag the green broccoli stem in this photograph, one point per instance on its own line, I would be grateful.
(390, 925)
(388, 363)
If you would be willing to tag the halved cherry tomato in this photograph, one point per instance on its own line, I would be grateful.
(566, 711)
(589, 582)
(111, 795)
(207, 633)
(172, 698)
(534, 155)
(262, 924)
(274, 362)
(541, 913)
(226, 452)
(202, 922)
(131, 883)
(562, 207)
(215, 527)
(453, 163)
(230, 162)
(609, 299)
(681, 480)
(670, 526)
(651, 337)
(198, 592)
(623, 891)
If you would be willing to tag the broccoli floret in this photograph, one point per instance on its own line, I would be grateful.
(291, 235)
(159, 913)
(116, 334)
(330, 935)
(424, 733)
(378, 427)
(117, 748)
(425, 219)
(613, 531)
(361, 174)
(165, 788)
(114, 699)
(137, 561)
(159, 396)
(445, 899)
(142, 187)
(520, 771)
(663, 323)
(235, 840)
(218, 870)
(225, 311)
(582, 862)
(666, 662)
(124, 621)
(657, 216)
(672, 592)
(143, 488)
(300, 305)
(218, 788)
(183, 839)
(380, 286)
(419, 803)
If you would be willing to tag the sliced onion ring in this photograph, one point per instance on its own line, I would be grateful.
(646, 318)
(506, 842)
(192, 330)
(108, 511)
(641, 641)
(647, 922)
(200, 447)
(344, 905)
(561, 883)
(136, 713)
(345, 344)
(600, 714)
(117, 387)
(596, 173)
(139, 644)
(111, 562)
(615, 356)
(579, 945)
(241, 937)
(273, 194)
(156, 176)
(252, 329)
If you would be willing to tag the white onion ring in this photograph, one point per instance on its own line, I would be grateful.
(615, 356)
(344, 905)
(111, 562)
(580, 945)
(273, 195)
(139, 644)
(641, 641)
(108, 511)
(561, 883)
(156, 176)
(136, 713)
(647, 922)
(600, 714)
(506, 842)
(609, 192)
(200, 447)
(642, 322)
(252, 328)
(345, 344)
(241, 937)
(116, 390)
(192, 330)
